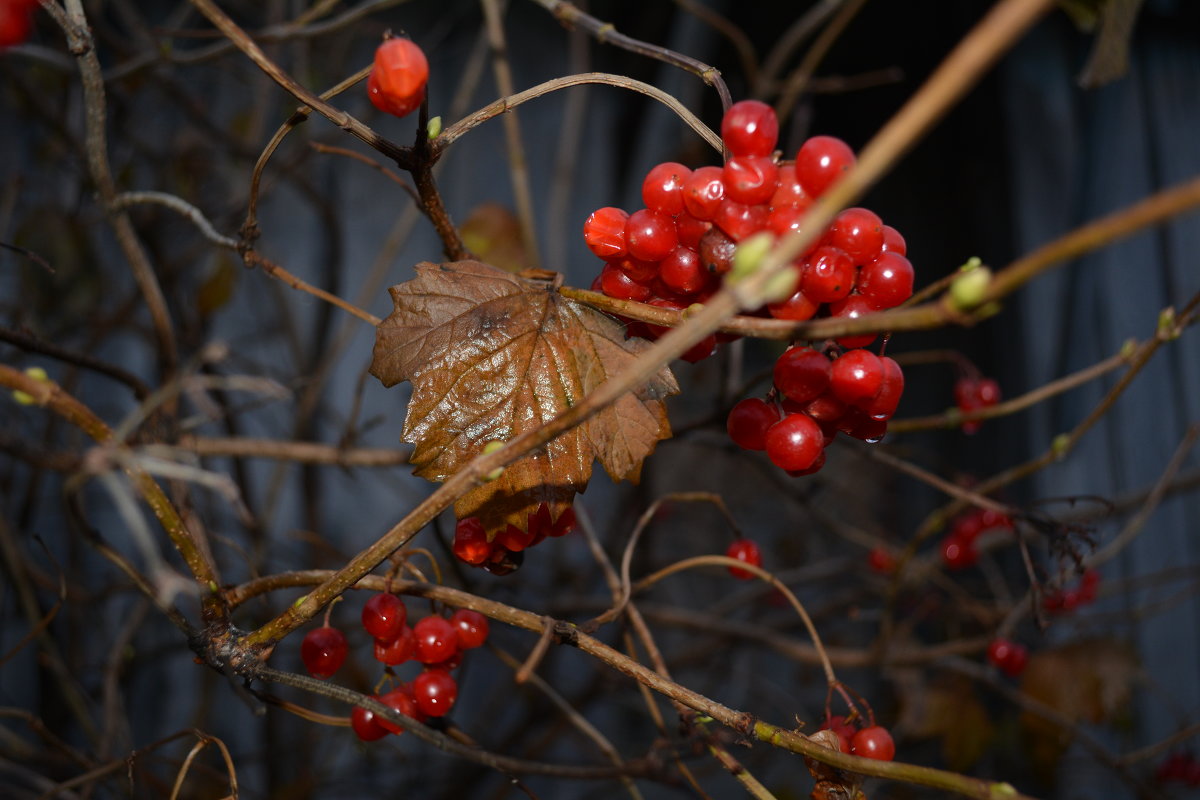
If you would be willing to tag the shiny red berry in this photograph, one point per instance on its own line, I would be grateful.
(604, 232)
(399, 700)
(650, 235)
(384, 615)
(366, 725)
(802, 374)
(750, 128)
(323, 651)
(886, 281)
(436, 639)
(873, 742)
(744, 550)
(750, 179)
(795, 442)
(470, 627)
(398, 649)
(434, 692)
(821, 161)
(857, 377)
(470, 541)
(397, 81)
(748, 422)
(662, 188)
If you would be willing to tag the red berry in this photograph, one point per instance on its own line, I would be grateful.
(788, 191)
(958, 553)
(827, 275)
(794, 442)
(750, 179)
(398, 700)
(887, 281)
(366, 725)
(844, 732)
(470, 541)
(323, 651)
(716, 251)
(15, 21)
(822, 160)
(826, 408)
(740, 220)
(750, 128)
(690, 229)
(616, 282)
(662, 188)
(881, 561)
(470, 627)
(859, 232)
(852, 307)
(397, 81)
(883, 405)
(802, 374)
(703, 192)
(604, 232)
(701, 349)
(682, 271)
(513, 539)
(873, 742)
(384, 615)
(748, 422)
(398, 649)
(987, 391)
(893, 242)
(643, 272)
(857, 377)
(436, 639)
(744, 550)
(798, 307)
(650, 235)
(434, 692)
(1008, 656)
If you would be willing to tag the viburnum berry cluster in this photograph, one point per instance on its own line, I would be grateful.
(435, 642)
(504, 551)
(398, 77)
(959, 548)
(673, 252)
(973, 392)
(1063, 601)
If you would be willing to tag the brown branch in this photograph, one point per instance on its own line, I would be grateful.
(300, 452)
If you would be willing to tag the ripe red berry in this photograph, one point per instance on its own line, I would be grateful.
(690, 229)
(682, 271)
(650, 235)
(788, 191)
(857, 377)
(434, 692)
(384, 615)
(821, 161)
(323, 651)
(873, 742)
(802, 374)
(398, 649)
(604, 232)
(750, 128)
(748, 422)
(887, 281)
(827, 275)
(744, 550)
(436, 639)
(16, 21)
(794, 442)
(883, 405)
(470, 541)
(852, 307)
(398, 77)
(470, 627)
(1008, 656)
(844, 731)
(797, 307)
(398, 700)
(701, 349)
(750, 179)
(739, 220)
(716, 251)
(662, 188)
(703, 192)
(859, 232)
(366, 725)
(616, 282)
(893, 242)
(959, 553)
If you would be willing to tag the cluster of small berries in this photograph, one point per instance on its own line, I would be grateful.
(814, 399)
(873, 741)
(397, 81)
(972, 393)
(1063, 601)
(959, 549)
(505, 551)
(1008, 656)
(434, 641)
(16, 21)
(1179, 767)
(673, 252)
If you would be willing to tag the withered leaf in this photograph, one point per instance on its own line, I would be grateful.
(492, 355)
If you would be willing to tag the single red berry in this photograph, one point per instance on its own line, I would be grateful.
(748, 422)
(703, 192)
(701, 349)
(366, 725)
(1017, 660)
(16, 22)
(987, 391)
(616, 282)
(893, 242)
(398, 77)
(788, 191)
(662, 188)
(827, 275)
(798, 307)
(873, 742)
(398, 649)
(750, 179)
(604, 232)
(513, 539)
(643, 272)
(740, 220)
(881, 561)
(958, 553)
(826, 408)
(434, 692)
(856, 424)
(682, 271)
(650, 235)
(744, 550)
(852, 307)
(384, 615)
(750, 128)
(323, 651)
(794, 442)
(822, 160)
(716, 251)
(470, 627)
(845, 732)
(883, 405)
(436, 639)
(887, 281)
(859, 232)
(399, 700)
(856, 377)
(690, 229)
(802, 374)
(470, 541)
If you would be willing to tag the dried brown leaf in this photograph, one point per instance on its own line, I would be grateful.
(492, 355)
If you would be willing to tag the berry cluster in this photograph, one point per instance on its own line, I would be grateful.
(1008, 656)
(505, 550)
(816, 397)
(873, 741)
(397, 81)
(16, 21)
(437, 643)
(673, 252)
(959, 549)
(1062, 601)
(971, 393)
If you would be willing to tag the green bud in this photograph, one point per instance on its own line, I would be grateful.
(974, 262)
(750, 252)
(489, 448)
(782, 285)
(1001, 790)
(434, 128)
(968, 289)
(299, 600)
(1128, 348)
(24, 398)
(1167, 329)
(1060, 445)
